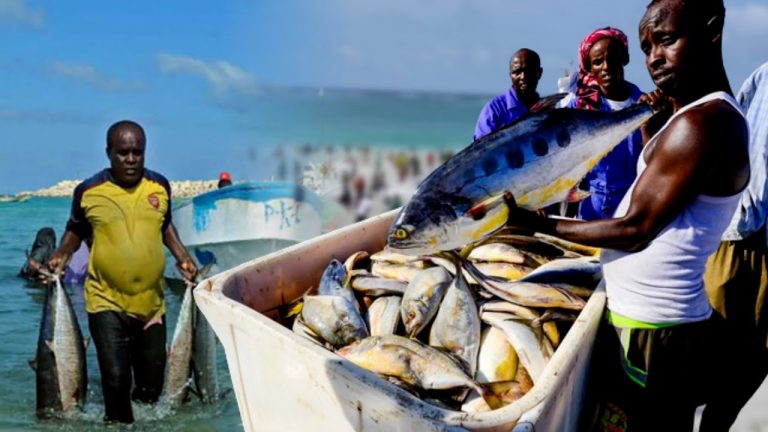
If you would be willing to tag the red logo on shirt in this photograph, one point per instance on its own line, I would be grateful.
(154, 201)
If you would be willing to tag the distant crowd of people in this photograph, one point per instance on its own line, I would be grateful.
(361, 188)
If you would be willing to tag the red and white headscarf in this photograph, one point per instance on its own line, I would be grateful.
(587, 90)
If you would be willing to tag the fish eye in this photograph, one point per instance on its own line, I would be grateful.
(478, 215)
(400, 234)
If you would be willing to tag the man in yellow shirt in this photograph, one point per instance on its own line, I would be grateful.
(127, 211)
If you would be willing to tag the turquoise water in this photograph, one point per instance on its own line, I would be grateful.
(284, 118)
(20, 313)
(291, 116)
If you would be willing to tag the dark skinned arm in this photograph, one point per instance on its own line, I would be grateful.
(69, 244)
(687, 160)
(184, 262)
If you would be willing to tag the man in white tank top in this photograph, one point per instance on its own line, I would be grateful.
(657, 347)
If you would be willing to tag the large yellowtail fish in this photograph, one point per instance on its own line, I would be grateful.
(538, 159)
(456, 327)
(333, 318)
(422, 298)
(384, 315)
(409, 361)
(533, 351)
(529, 294)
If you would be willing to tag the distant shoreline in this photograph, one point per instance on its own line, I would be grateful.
(65, 188)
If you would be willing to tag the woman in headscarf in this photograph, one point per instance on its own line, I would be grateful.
(601, 86)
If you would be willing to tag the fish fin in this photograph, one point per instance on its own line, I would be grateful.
(295, 309)
(547, 103)
(49, 344)
(484, 390)
(577, 195)
(33, 364)
(479, 210)
(284, 308)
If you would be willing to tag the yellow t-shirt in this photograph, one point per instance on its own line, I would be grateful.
(125, 267)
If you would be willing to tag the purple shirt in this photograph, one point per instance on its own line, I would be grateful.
(499, 112)
(610, 179)
(77, 269)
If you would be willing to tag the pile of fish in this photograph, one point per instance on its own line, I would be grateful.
(470, 332)
(473, 330)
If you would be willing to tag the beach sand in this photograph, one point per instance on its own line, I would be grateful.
(754, 415)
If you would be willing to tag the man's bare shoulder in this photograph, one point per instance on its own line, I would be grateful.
(712, 139)
(715, 124)
(717, 115)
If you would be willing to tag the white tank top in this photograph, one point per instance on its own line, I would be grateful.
(663, 283)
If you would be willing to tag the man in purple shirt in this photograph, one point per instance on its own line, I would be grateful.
(524, 72)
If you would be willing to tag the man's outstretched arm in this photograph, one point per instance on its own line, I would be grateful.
(680, 161)
(184, 261)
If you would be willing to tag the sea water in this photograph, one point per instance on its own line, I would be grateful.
(288, 117)
(21, 308)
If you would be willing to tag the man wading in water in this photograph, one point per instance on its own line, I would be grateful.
(127, 210)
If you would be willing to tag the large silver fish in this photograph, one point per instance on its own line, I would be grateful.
(334, 319)
(538, 159)
(177, 377)
(422, 298)
(410, 361)
(204, 359)
(333, 281)
(192, 353)
(457, 324)
(61, 375)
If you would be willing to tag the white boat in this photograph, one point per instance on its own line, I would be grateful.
(284, 382)
(237, 223)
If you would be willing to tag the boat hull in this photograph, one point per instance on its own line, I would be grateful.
(238, 223)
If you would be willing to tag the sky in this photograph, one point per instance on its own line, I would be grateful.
(188, 70)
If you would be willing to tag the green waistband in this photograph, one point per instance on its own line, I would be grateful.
(618, 320)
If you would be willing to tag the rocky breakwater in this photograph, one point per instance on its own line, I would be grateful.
(179, 189)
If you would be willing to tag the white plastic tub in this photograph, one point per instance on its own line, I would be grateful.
(286, 383)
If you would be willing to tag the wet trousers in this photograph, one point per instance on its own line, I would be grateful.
(127, 353)
(736, 280)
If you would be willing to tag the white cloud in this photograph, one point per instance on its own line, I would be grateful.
(228, 82)
(97, 81)
(17, 11)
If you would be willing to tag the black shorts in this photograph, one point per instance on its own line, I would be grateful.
(652, 379)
